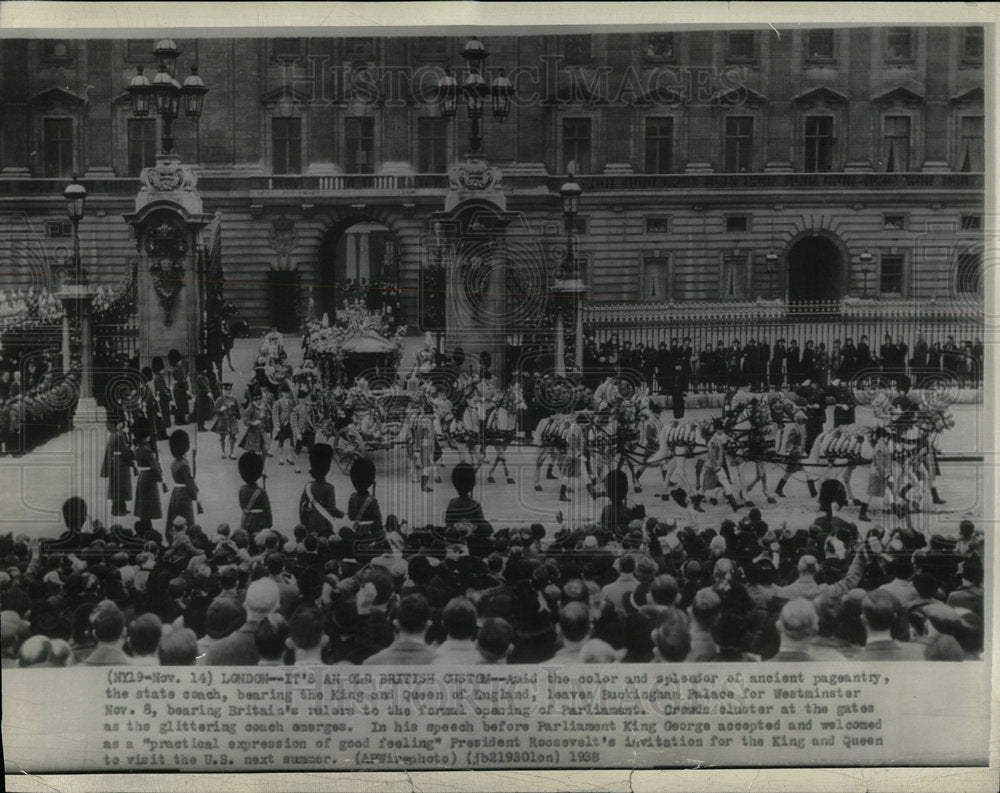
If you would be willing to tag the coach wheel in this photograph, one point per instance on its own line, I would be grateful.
(348, 447)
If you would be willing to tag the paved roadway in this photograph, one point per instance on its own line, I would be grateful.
(33, 487)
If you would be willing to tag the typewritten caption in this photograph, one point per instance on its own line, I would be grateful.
(332, 716)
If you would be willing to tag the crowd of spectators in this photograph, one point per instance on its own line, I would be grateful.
(631, 588)
(36, 402)
(785, 364)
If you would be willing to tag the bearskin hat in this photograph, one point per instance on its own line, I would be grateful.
(179, 443)
(251, 466)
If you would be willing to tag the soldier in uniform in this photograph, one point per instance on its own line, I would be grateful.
(571, 465)
(281, 421)
(716, 472)
(254, 417)
(185, 493)
(117, 466)
(162, 396)
(150, 405)
(204, 404)
(181, 388)
(147, 486)
(880, 479)
(794, 450)
(227, 420)
(304, 419)
(318, 503)
(254, 503)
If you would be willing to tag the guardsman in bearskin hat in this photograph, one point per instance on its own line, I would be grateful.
(185, 493)
(318, 504)
(254, 503)
(227, 420)
(181, 388)
(204, 404)
(117, 466)
(147, 486)
(162, 396)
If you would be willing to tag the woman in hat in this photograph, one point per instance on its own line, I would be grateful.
(147, 486)
(117, 466)
(227, 420)
(185, 493)
(254, 503)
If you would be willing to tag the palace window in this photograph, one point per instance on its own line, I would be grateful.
(820, 45)
(659, 145)
(286, 140)
(739, 143)
(57, 50)
(656, 278)
(899, 44)
(972, 44)
(287, 49)
(971, 152)
(576, 144)
(57, 150)
(359, 143)
(576, 49)
(660, 46)
(891, 275)
(432, 145)
(819, 143)
(740, 45)
(896, 144)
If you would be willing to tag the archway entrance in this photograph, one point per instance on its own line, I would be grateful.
(358, 261)
(816, 273)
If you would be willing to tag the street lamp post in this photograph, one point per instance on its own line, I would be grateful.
(866, 260)
(166, 93)
(771, 259)
(569, 286)
(475, 91)
(75, 291)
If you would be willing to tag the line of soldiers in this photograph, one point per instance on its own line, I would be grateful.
(34, 407)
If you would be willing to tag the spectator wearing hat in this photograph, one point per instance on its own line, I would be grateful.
(797, 625)
(970, 594)
(731, 636)
(969, 541)
(880, 612)
(318, 503)
(37, 651)
(623, 586)
(459, 621)
(239, 649)
(107, 623)
(409, 648)
(223, 618)
(144, 634)
(227, 420)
